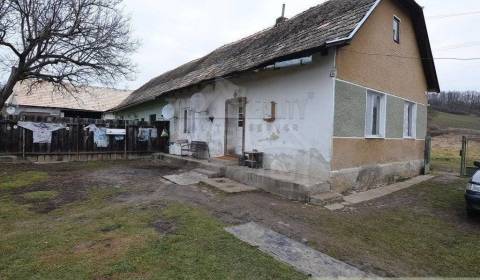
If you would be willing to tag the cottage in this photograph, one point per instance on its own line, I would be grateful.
(46, 100)
(338, 92)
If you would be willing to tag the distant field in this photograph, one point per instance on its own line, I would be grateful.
(445, 120)
(447, 145)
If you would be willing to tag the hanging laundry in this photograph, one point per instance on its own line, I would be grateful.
(100, 137)
(143, 134)
(153, 133)
(164, 134)
(42, 132)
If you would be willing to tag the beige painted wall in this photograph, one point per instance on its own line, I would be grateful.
(364, 61)
(352, 153)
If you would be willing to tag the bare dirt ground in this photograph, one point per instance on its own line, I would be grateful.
(333, 233)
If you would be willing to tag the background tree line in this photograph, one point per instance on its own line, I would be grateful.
(456, 102)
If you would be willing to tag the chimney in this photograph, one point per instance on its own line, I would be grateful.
(282, 18)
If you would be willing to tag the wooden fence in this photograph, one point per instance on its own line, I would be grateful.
(76, 142)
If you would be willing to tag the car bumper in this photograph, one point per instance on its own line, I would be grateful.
(473, 200)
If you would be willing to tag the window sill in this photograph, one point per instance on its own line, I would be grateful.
(409, 138)
(374, 137)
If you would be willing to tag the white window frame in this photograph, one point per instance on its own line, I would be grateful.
(381, 114)
(396, 35)
(409, 121)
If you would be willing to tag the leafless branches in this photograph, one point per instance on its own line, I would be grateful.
(69, 43)
(457, 102)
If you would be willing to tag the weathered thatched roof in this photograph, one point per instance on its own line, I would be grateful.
(333, 22)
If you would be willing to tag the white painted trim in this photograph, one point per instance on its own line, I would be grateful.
(334, 81)
(388, 94)
(382, 131)
(359, 25)
(405, 120)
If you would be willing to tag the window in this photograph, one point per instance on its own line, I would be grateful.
(153, 118)
(241, 115)
(375, 118)
(409, 120)
(185, 121)
(188, 120)
(396, 30)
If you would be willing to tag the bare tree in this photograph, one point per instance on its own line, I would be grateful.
(69, 43)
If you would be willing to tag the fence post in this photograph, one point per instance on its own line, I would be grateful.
(23, 140)
(428, 153)
(125, 144)
(463, 154)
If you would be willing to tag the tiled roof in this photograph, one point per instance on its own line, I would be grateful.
(87, 99)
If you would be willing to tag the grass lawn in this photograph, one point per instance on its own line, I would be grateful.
(97, 239)
(419, 232)
(447, 120)
(446, 159)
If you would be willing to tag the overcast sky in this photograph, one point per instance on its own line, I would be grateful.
(174, 32)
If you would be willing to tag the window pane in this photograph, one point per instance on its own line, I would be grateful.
(185, 121)
(374, 114)
(396, 30)
(410, 119)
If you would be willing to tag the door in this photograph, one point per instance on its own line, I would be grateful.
(235, 126)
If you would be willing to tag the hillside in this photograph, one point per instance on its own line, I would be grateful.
(440, 120)
(447, 131)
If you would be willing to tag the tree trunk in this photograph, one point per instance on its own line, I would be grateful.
(7, 89)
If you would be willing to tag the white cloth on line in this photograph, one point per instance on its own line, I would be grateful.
(145, 134)
(100, 137)
(42, 132)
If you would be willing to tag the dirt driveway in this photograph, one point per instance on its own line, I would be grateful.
(422, 231)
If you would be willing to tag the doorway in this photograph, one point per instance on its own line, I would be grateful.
(235, 126)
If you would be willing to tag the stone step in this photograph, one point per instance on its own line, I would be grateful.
(288, 185)
(208, 172)
(227, 185)
(326, 198)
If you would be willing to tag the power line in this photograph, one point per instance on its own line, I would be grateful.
(458, 46)
(415, 57)
(454, 15)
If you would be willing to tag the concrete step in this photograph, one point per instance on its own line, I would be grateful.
(288, 185)
(227, 185)
(292, 186)
(208, 172)
(326, 198)
(188, 162)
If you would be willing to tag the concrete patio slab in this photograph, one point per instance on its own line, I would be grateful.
(335, 207)
(208, 173)
(296, 254)
(227, 185)
(186, 179)
(383, 191)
